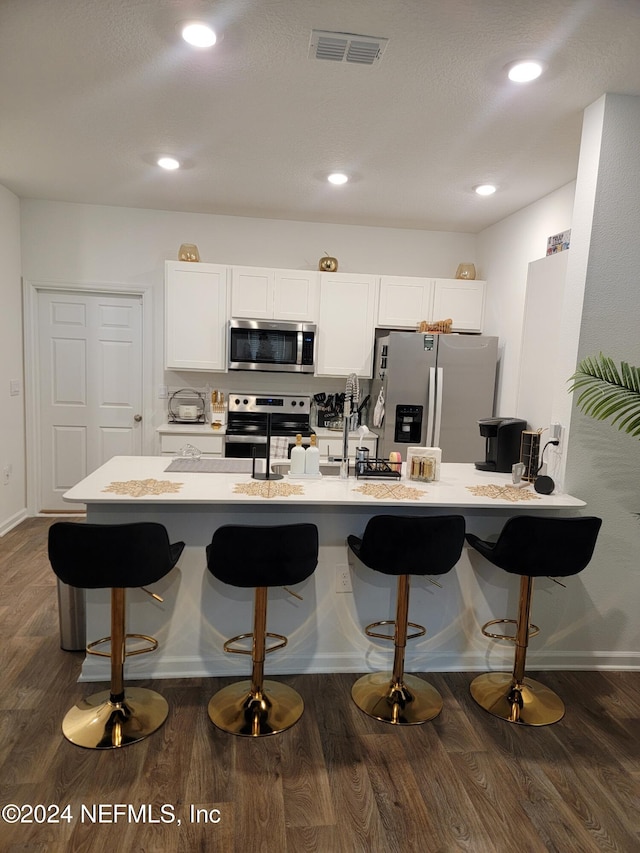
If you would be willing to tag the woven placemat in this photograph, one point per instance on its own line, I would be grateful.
(506, 493)
(268, 489)
(394, 491)
(141, 488)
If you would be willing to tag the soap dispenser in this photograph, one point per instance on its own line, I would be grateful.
(298, 457)
(311, 458)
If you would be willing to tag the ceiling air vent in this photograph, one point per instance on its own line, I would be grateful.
(346, 47)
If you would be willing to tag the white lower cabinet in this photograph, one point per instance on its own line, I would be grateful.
(346, 324)
(208, 445)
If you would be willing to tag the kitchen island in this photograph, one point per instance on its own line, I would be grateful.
(325, 629)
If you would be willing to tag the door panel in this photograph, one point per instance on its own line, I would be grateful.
(469, 371)
(90, 375)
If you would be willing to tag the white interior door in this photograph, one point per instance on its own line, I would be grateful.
(90, 386)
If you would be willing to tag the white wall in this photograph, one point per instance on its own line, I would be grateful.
(12, 440)
(603, 464)
(93, 245)
(504, 252)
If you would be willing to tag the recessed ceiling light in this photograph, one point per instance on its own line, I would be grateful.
(338, 178)
(198, 34)
(485, 189)
(525, 72)
(168, 163)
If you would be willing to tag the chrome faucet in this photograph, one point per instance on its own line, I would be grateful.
(351, 398)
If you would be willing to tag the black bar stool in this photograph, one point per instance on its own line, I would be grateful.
(116, 556)
(404, 546)
(530, 546)
(260, 557)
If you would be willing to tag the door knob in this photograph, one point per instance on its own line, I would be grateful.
(137, 418)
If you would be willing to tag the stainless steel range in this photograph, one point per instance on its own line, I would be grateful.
(249, 417)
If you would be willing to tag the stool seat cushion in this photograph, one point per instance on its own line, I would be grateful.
(256, 556)
(538, 546)
(99, 556)
(410, 545)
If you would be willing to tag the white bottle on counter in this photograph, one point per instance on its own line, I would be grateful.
(311, 458)
(298, 457)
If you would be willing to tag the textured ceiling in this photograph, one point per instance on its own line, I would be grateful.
(92, 91)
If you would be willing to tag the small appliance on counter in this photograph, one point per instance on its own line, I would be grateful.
(186, 406)
(502, 448)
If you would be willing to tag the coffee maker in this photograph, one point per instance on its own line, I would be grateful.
(502, 449)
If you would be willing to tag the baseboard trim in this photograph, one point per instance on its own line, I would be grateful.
(13, 521)
(144, 667)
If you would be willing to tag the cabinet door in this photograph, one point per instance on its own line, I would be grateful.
(404, 301)
(461, 300)
(195, 312)
(295, 296)
(252, 292)
(346, 324)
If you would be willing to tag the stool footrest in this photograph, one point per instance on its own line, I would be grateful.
(153, 645)
(419, 632)
(235, 651)
(533, 629)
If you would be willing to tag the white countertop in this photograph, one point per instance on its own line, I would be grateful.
(204, 488)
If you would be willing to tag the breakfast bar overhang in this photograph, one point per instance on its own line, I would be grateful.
(325, 628)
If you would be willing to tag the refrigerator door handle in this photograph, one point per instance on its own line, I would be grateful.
(438, 407)
(431, 405)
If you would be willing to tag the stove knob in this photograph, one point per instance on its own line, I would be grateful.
(245, 401)
(293, 402)
(301, 404)
(237, 401)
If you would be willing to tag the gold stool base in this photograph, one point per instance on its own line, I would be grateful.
(235, 709)
(408, 703)
(99, 723)
(530, 704)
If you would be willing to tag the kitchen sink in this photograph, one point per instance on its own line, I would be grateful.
(327, 469)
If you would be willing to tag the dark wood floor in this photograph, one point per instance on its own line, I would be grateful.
(337, 781)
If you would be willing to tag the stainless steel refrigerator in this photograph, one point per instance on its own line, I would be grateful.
(436, 389)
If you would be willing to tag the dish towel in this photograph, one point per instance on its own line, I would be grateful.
(378, 412)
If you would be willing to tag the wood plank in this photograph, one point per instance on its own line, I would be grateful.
(337, 781)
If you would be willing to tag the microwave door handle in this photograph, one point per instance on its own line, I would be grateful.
(299, 348)
(431, 404)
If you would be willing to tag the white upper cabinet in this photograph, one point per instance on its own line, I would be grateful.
(258, 293)
(462, 300)
(195, 316)
(346, 324)
(404, 301)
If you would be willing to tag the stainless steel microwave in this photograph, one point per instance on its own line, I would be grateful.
(272, 345)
